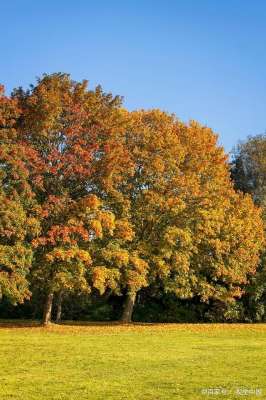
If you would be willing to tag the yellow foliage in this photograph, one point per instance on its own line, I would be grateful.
(97, 228)
(124, 230)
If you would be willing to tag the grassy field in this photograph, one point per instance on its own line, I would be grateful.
(113, 362)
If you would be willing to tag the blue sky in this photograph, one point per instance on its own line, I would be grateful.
(201, 59)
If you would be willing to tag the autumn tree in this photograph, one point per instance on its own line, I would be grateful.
(70, 132)
(190, 229)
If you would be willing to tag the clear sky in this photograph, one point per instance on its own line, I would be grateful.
(201, 59)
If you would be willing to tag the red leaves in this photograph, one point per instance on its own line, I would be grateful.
(63, 234)
(147, 196)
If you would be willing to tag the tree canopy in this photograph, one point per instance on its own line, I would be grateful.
(94, 197)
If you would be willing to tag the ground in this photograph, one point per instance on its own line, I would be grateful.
(132, 362)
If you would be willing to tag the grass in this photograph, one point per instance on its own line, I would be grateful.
(132, 362)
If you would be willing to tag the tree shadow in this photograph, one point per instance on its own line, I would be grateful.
(16, 324)
(20, 324)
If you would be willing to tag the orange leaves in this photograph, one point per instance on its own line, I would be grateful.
(92, 202)
(136, 196)
(175, 204)
(124, 230)
(68, 255)
(9, 112)
(107, 220)
(63, 234)
(158, 164)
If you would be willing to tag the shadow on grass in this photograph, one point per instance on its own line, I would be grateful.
(15, 323)
(106, 323)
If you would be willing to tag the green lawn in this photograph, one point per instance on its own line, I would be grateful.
(139, 362)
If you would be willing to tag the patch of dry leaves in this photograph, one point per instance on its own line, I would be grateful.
(103, 328)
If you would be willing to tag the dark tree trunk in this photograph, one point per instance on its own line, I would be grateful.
(59, 308)
(47, 312)
(128, 307)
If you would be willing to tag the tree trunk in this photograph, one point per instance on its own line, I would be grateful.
(47, 312)
(128, 307)
(59, 308)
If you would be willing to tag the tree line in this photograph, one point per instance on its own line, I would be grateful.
(105, 212)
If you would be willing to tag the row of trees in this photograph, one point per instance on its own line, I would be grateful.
(99, 201)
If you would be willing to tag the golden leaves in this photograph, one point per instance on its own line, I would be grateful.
(60, 254)
(124, 230)
(104, 278)
(131, 196)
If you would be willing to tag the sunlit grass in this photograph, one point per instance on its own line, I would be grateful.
(152, 361)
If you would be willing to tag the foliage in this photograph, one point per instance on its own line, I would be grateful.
(98, 198)
(18, 222)
(249, 175)
(196, 234)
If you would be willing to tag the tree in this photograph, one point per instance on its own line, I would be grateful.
(68, 131)
(191, 230)
(248, 169)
